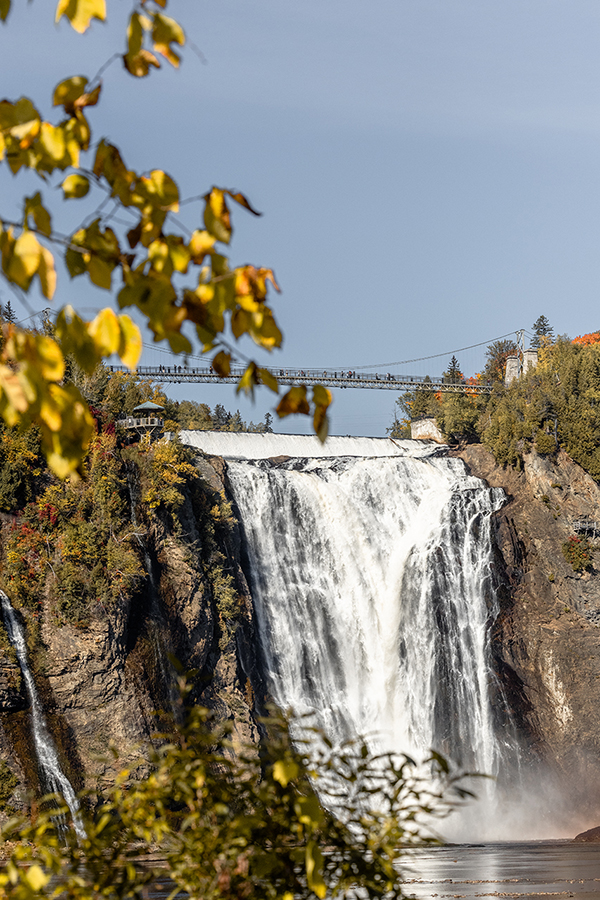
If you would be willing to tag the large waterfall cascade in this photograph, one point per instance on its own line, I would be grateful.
(53, 777)
(370, 576)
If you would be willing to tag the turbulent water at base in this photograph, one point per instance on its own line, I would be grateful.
(371, 583)
(53, 778)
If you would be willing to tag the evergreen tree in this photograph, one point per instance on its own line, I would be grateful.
(453, 375)
(221, 418)
(544, 332)
(268, 423)
(8, 313)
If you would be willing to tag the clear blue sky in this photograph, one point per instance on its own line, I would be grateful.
(428, 170)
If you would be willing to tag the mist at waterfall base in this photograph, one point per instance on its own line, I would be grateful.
(52, 777)
(371, 581)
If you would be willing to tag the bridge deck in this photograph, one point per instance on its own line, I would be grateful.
(365, 381)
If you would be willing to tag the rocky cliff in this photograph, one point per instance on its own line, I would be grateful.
(110, 683)
(103, 678)
(546, 640)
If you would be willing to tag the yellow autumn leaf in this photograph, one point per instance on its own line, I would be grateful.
(36, 877)
(75, 186)
(81, 12)
(44, 353)
(100, 272)
(216, 215)
(52, 141)
(166, 31)
(4, 11)
(130, 345)
(269, 380)
(248, 381)
(50, 413)
(47, 273)
(200, 244)
(69, 90)
(285, 770)
(15, 395)
(106, 332)
(294, 401)
(314, 865)
(24, 260)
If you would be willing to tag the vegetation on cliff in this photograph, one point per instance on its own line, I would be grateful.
(555, 404)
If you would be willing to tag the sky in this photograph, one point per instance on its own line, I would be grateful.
(427, 169)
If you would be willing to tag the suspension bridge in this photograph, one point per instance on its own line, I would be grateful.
(374, 381)
(196, 370)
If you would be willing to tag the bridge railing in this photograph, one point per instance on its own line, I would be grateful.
(333, 377)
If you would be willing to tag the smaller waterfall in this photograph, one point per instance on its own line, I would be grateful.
(53, 777)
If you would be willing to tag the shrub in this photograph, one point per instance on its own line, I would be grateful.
(243, 827)
(545, 443)
(579, 552)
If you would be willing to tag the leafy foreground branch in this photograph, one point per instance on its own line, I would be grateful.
(178, 280)
(245, 825)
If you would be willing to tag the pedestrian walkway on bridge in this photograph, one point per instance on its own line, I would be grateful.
(182, 374)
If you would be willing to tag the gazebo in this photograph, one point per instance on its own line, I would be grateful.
(146, 418)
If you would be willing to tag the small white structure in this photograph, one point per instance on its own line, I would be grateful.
(425, 429)
(530, 359)
(514, 368)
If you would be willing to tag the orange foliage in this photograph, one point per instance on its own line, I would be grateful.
(586, 339)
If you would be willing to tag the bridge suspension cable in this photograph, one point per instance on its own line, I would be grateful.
(404, 362)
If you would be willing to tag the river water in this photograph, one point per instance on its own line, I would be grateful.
(555, 869)
(522, 870)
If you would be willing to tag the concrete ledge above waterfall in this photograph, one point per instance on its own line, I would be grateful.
(244, 445)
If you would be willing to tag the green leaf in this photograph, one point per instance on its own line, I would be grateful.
(75, 186)
(69, 90)
(41, 217)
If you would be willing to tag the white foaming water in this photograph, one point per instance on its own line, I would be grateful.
(371, 583)
(243, 445)
(56, 781)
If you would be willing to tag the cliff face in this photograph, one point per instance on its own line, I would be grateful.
(103, 682)
(546, 640)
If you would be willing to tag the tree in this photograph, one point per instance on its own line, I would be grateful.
(8, 314)
(246, 826)
(453, 375)
(496, 356)
(543, 331)
(145, 262)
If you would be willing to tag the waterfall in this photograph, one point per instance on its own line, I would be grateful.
(53, 777)
(373, 597)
